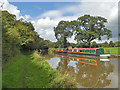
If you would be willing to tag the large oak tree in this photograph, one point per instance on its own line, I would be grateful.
(88, 28)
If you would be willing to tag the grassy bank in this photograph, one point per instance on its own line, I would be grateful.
(112, 50)
(13, 72)
(33, 71)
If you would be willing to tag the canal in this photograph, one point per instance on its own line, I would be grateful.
(88, 72)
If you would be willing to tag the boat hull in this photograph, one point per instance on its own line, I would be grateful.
(84, 54)
(61, 51)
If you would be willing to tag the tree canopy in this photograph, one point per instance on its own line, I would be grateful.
(86, 28)
(62, 32)
(19, 36)
(90, 28)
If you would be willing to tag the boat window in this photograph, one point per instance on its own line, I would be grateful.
(80, 51)
(89, 51)
(86, 50)
(75, 50)
(92, 51)
(75, 59)
(83, 50)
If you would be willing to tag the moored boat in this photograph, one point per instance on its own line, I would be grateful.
(86, 51)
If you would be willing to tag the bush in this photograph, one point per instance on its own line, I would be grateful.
(64, 81)
(37, 57)
(51, 50)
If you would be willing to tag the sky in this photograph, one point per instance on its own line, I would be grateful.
(46, 15)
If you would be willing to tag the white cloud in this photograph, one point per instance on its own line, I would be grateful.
(6, 6)
(9, 7)
(44, 27)
(52, 13)
(26, 17)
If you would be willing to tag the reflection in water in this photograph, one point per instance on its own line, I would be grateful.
(88, 72)
(84, 60)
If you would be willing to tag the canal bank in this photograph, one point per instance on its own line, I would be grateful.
(33, 71)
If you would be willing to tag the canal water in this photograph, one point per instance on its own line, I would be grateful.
(89, 72)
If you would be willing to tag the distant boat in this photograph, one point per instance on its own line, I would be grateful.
(61, 50)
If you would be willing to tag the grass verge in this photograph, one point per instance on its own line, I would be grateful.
(12, 72)
(113, 50)
(33, 71)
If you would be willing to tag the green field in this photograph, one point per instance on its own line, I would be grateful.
(112, 50)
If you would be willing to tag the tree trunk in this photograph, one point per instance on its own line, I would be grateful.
(89, 43)
(65, 42)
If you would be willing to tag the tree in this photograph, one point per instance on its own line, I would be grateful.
(19, 35)
(105, 44)
(62, 32)
(111, 44)
(117, 44)
(88, 28)
(94, 44)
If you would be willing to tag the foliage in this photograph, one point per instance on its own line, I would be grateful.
(89, 28)
(111, 44)
(19, 36)
(117, 44)
(37, 57)
(39, 74)
(105, 44)
(62, 32)
(51, 50)
(64, 81)
(94, 44)
(85, 29)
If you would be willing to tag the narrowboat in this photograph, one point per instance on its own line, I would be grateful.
(86, 51)
(61, 50)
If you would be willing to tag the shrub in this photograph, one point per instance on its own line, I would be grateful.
(51, 50)
(64, 81)
(37, 57)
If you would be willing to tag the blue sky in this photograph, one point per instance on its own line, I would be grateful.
(46, 15)
(34, 9)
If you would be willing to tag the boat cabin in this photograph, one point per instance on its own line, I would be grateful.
(92, 51)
